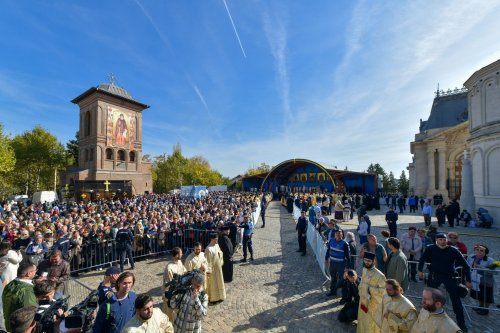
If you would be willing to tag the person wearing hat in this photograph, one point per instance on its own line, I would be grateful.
(124, 239)
(371, 292)
(64, 244)
(105, 289)
(215, 285)
(483, 280)
(337, 258)
(391, 217)
(442, 260)
(227, 249)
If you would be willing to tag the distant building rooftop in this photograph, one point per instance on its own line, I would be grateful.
(448, 109)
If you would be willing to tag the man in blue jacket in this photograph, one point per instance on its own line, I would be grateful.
(337, 255)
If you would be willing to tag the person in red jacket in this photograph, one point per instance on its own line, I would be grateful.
(453, 241)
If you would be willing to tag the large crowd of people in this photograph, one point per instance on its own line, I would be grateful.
(97, 234)
(44, 244)
(391, 264)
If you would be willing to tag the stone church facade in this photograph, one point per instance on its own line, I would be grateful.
(463, 120)
(109, 146)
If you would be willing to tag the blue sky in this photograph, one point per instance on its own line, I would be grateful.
(241, 82)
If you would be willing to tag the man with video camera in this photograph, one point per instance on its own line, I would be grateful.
(50, 312)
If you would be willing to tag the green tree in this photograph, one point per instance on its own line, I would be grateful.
(7, 164)
(72, 150)
(171, 171)
(39, 155)
(403, 183)
(392, 184)
(378, 170)
(255, 170)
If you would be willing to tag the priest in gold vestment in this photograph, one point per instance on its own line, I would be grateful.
(215, 284)
(371, 291)
(398, 313)
(432, 318)
(197, 260)
(174, 266)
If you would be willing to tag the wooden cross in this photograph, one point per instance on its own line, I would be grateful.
(106, 183)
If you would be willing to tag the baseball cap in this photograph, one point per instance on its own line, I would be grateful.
(112, 271)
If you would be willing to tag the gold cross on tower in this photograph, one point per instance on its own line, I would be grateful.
(106, 183)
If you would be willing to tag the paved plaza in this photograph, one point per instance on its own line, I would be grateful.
(280, 290)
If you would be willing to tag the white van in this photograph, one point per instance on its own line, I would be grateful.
(16, 198)
(45, 196)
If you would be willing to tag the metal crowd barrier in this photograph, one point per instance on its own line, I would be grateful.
(102, 254)
(484, 290)
(77, 291)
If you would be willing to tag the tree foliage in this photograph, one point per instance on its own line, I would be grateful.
(403, 183)
(392, 184)
(255, 170)
(172, 171)
(72, 150)
(7, 163)
(38, 157)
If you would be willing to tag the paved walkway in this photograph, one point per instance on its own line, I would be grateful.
(278, 292)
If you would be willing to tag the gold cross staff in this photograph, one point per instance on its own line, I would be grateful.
(106, 183)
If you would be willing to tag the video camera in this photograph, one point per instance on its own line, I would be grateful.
(179, 285)
(81, 315)
(45, 320)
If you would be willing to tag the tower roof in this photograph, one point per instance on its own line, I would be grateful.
(115, 90)
(110, 89)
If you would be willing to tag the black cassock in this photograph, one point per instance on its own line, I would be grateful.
(227, 249)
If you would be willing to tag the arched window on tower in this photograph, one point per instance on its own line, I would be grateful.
(121, 155)
(109, 153)
(131, 156)
(87, 123)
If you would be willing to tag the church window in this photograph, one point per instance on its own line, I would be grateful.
(109, 153)
(132, 156)
(87, 123)
(121, 155)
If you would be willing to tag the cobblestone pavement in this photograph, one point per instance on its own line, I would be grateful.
(280, 290)
(470, 236)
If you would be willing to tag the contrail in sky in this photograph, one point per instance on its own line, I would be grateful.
(150, 19)
(234, 27)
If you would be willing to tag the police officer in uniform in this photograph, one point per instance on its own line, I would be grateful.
(105, 289)
(124, 239)
(63, 244)
(247, 227)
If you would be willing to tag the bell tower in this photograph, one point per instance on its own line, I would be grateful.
(110, 144)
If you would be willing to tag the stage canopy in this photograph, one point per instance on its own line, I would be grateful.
(308, 176)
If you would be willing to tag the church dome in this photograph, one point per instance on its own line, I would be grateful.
(112, 88)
